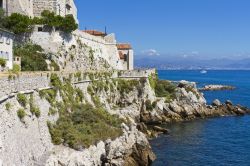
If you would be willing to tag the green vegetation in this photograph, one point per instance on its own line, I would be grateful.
(33, 109)
(2, 62)
(126, 86)
(32, 58)
(8, 106)
(21, 98)
(21, 113)
(152, 81)
(79, 125)
(66, 24)
(16, 69)
(55, 81)
(149, 105)
(2, 18)
(49, 95)
(191, 89)
(20, 24)
(54, 65)
(165, 89)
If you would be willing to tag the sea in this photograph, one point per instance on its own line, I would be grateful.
(223, 141)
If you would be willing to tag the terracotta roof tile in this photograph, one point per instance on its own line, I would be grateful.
(124, 46)
(95, 32)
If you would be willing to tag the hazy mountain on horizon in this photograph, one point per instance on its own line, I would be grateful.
(161, 62)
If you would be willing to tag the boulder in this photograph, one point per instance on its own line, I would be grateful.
(216, 103)
(161, 129)
(229, 102)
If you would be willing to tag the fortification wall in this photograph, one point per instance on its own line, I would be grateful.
(56, 41)
(29, 82)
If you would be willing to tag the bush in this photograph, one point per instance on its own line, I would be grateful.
(55, 66)
(21, 98)
(66, 24)
(8, 106)
(149, 105)
(84, 127)
(21, 114)
(16, 69)
(80, 125)
(165, 89)
(2, 62)
(33, 109)
(18, 23)
(32, 58)
(55, 81)
(126, 86)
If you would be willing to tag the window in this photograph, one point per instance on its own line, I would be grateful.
(40, 29)
(1, 38)
(8, 40)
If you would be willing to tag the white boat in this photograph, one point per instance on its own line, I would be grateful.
(203, 71)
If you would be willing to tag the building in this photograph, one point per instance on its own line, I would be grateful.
(126, 55)
(6, 47)
(34, 8)
(17, 6)
(60, 7)
(124, 50)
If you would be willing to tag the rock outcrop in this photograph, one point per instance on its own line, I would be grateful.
(130, 149)
(217, 87)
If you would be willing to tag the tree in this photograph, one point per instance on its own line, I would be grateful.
(32, 58)
(69, 24)
(2, 62)
(18, 23)
(2, 18)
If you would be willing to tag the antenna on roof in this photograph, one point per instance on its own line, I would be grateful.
(105, 30)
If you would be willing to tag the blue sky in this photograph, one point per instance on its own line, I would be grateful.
(202, 28)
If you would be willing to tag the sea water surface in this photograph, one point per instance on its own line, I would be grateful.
(217, 142)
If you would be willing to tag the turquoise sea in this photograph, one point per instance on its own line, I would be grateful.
(214, 142)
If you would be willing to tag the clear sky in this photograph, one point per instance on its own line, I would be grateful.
(207, 28)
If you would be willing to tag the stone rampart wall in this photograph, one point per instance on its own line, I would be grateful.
(29, 82)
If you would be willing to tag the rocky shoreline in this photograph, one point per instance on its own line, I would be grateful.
(187, 106)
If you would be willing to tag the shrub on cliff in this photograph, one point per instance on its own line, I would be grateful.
(21, 98)
(165, 89)
(18, 23)
(80, 125)
(2, 62)
(21, 114)
(32, 58)
(66, 24)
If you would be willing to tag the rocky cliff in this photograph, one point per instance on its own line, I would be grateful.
(56, 125)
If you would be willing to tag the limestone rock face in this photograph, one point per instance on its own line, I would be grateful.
(131, 146)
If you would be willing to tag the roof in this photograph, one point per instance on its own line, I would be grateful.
(95, 32)
(124, 46)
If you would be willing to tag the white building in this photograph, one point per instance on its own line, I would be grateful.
(33, 8)
(6, 47)
(126, 55)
